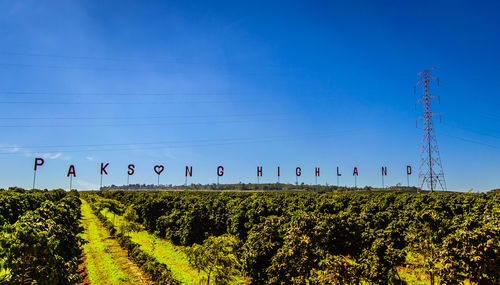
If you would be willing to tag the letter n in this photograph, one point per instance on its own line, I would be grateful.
(384, 170)
(189, 170)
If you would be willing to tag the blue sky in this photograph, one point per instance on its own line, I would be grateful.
(242, 84)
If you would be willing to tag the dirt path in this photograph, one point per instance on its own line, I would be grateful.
(106, 262)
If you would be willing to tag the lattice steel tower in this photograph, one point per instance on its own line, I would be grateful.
(431, 170)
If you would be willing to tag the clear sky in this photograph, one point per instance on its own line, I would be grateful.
(241, 84)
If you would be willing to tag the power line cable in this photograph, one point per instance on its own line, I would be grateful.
(472, 141)
(282, 72)
(124, 93)
(137, 59)
(260, 100)
(475, 130)
(142, 124)
(151, 117)
(253, 140)
(164, 142)
(159, 94)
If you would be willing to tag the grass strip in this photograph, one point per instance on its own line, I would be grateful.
(159, 272)
(164, 251)
(106, 262)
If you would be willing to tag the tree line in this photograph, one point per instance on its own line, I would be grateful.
(284, 187)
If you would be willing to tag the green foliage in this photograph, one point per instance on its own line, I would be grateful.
(43, 246)
(336, 269)
(130, 214)
(292, 238)
(130, 217)
(216, 257)
(159, 272)
(263, 242)
(472, 253)
(15, 202)
(300, 252)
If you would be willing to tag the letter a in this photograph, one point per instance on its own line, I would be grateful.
(71, 171)
(355, 172)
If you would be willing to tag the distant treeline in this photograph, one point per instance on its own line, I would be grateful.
(255, 187)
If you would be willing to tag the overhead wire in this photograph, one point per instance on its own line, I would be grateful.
(471, 141)
(180, 144)
(143, 124)
(160, 94)
(158, 142)
(132, 59)
(135, 103)
(151, 117)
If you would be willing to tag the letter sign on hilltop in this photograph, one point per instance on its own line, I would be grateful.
(71, 171)
(103, 168)
(38, 162)
(384, 173)
(131, 169)
(159, 169)
(103, 171)
(189, 170)
(220, 172)
(259, 171)
(71, 174)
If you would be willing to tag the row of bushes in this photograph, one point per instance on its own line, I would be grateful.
(43, 246)
(14, 202)
(340, 238)
(159, 272)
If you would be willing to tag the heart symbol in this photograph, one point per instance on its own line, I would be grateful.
(159, 169)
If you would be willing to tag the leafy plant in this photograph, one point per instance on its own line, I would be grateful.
(216, 257)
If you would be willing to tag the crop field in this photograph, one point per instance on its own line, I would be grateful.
(146, 237)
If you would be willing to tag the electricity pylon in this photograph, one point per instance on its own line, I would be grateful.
(431, 171)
